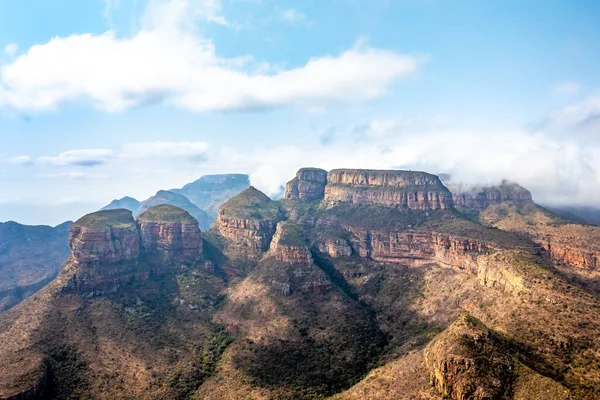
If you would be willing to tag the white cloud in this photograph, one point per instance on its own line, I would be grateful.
(567, 88)
(11, 49)
(18, 160)
(166, 62)
(189, 150)
(293, 16)
(582, 118)
(79, 158)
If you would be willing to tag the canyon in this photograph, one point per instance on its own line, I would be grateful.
(358, 284)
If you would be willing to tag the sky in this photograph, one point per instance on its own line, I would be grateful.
(101, 99)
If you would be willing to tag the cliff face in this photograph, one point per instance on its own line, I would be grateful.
(107, 245)
(308, 185)
(485, 196)
(249, 220)
(105, 237)
(403, 189)
(170, 232)
(466, 362)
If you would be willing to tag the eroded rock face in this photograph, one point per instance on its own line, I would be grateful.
(405, 189)
(485, 196)
(466, 362)
(294, 268)
(335, 247)
(253, 234)
(105, 237)
(308, 185)
(171, 233)
(291, 251)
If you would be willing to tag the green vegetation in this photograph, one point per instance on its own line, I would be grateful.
(102, 219)
(166, 213)
(252, 204)
(291, 234)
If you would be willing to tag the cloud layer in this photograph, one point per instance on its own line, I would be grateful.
(166, 61)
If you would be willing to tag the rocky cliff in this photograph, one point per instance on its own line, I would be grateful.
(466, 362)
(105, 237)
(171, 233)
(403, 189)
(481, 197)
(249, 220)
(107, 246)
(308, 185)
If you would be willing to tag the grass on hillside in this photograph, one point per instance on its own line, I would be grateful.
(103, 219)
(252, 204)
(166, 213)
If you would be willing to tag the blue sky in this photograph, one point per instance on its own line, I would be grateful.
(100, 99)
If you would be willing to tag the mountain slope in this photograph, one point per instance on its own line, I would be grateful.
(373, 286)
(127, 203)
(210, 191)
(30, 257)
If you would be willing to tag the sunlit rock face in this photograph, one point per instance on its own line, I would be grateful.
(404, 189)
(308, 185)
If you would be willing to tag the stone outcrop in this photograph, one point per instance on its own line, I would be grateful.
(107, 246)
(466, 362)
(334, 247)
(404, 189)
(249, 220)
(293, 268)
(416, 248)
(105, 237)
(171, 233)
(308, 185)
(289, 246)
(481, 197)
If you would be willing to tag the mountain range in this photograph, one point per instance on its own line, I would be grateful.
(358, 284)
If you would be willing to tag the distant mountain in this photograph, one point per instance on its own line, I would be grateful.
(580, 215)
(177, 200)
(210, 191)
(30, 257)
(127, 203)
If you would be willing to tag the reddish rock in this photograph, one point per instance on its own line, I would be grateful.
(105, 237)
(404, 189)
(481, 197)
(170, 232)
(308, 185)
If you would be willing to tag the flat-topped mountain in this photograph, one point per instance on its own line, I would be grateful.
(404, 189)
(376, 296)
(485, 196)
(30, 257)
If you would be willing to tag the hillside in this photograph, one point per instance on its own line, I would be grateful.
(177, 200)
(358, 295)
(30, 257)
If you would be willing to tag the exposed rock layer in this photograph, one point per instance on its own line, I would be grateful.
(483, 197)
(308, 185)
(403, 189)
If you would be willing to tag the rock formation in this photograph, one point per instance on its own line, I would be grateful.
(308, 185)
(403, 189)
(107, 246)
(170, 232)
(467, 362)
(481, 197)
(334, 247)
(105, 237)
(249, 220)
